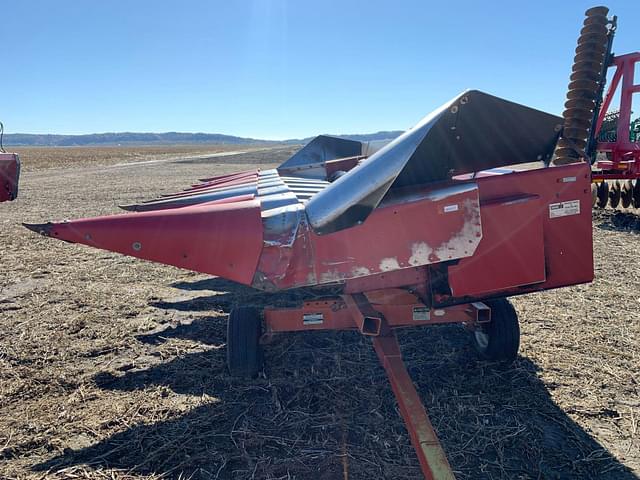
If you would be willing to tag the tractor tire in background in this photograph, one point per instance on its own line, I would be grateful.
(244, 352)
(498, 340)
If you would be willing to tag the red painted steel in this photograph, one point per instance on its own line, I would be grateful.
(415, 277)
(344, 164)
(212, 188)
(567, 236)
(624, 161)
(366, 318)
(399, 307)
(425, 230)
(432, 458)
(227, 176)
(348, 312)
(511, 252)
(221, 239)
(329, 314)
(526, 245)
(9, 173)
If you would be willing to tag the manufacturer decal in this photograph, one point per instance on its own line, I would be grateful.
(564, 209)
(421, 314)
(451, 208)
(312, 318)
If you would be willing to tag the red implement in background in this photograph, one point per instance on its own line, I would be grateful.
(620, 145)
(9, 175)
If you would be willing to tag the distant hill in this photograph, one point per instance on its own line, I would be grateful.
(132, 138)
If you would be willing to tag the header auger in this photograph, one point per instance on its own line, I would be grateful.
(608, 135)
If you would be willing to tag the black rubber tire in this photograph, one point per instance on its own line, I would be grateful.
(626, 194)
(244, 352)
(499, 340)
(635, 201)
(614, 194)
(603, 195)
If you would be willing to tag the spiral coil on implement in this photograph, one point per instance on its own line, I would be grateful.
(585, 84)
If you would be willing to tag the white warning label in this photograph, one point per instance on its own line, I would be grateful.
(564, 209)
(421, 314)
(312, 318)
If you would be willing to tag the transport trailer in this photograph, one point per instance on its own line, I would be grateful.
(482, 200)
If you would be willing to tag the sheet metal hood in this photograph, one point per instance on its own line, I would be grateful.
(472, 132)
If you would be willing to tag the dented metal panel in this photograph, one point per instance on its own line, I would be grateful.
(442, 225)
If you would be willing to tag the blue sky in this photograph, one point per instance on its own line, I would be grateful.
(275, 68)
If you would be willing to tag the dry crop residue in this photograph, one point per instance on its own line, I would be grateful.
(111, 367)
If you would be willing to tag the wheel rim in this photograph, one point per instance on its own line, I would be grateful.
(482, 339)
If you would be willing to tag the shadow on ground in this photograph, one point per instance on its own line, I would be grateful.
(618, 221)
(323, 406)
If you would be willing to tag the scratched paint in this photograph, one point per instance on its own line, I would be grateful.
(389, 264)
(461, 245)
(360, 271)
(331, 276)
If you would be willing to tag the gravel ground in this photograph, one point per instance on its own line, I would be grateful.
(111, 367)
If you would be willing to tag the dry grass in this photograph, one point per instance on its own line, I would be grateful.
(112, 367)
(38, 158)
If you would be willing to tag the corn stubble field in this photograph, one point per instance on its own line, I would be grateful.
(112, 367)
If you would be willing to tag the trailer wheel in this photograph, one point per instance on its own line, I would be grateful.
(499, 339)
(244, 352)
(594, 194)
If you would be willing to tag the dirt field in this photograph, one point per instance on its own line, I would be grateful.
(114, 368)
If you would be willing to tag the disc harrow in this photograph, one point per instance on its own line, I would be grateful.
(623, 194)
